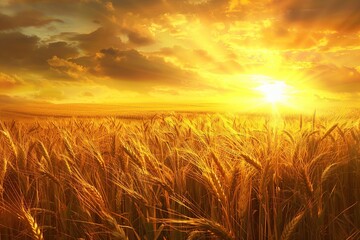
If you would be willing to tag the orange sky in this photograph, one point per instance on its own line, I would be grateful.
(97, 51)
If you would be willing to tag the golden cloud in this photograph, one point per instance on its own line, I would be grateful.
(131, 65)
(70, 69)
(332, 14)
(30, 18)
(334, 78)
(9, 82)
(23, 52)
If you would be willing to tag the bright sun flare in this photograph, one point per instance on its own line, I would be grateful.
(274, 92)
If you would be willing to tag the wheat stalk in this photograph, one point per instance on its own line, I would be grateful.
(329, 131)
(10, 142)
(218, 187)
(133, 156)
(43, 150)
(218, 164)
(195, 234)
(255, 163)
(30, 220)
(69, 148)
(291, 226)
(307, 182)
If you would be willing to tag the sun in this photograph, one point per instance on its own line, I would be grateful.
(273, 92)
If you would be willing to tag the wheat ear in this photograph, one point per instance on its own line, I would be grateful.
(36, 233)
(290, 227)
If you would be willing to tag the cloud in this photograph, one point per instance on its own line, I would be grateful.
(131, 65)
(67, 68)
(6, 99)
(23, 52)
(19, 48)
(112, 36)
(101, 10)
(8, 82)
(49, 94)
(100, 38)
(44, 52)
(338, 79)
(25, 19)
(37, 1)
(282, 37)
(339, 15)
(201, 59)
(87, 94)
(138, 37)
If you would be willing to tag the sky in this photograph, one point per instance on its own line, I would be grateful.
(180, 51)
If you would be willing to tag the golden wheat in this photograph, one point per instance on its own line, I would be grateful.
(36, 233)
(290, 227)
(180, 176)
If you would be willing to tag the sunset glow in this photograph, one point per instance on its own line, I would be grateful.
(273, 92)
(191, 51)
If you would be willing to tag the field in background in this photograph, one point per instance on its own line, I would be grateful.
(147, 110)
(180, 176)
(131, 111)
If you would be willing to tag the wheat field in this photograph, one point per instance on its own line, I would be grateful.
(180, 176)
